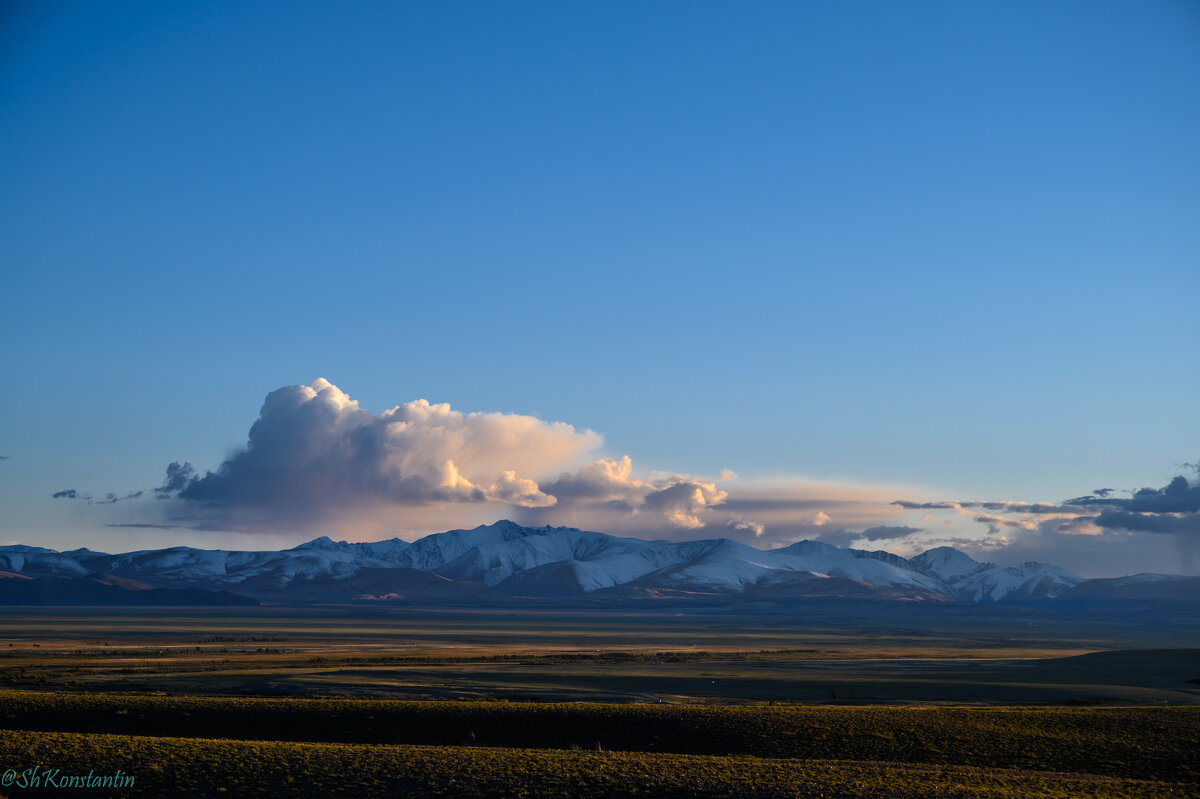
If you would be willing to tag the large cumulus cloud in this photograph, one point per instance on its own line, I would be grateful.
(316, 458)
(314, 449)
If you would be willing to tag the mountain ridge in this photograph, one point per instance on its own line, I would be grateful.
(508, 559)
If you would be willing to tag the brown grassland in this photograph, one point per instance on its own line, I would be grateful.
(511, 702)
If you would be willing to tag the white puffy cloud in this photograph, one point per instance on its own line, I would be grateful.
(609, 484)
(738, 523)
(519, 491)
(314, 450)
(315, 458)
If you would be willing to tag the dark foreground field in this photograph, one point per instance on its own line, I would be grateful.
(332, 702)
(323, 747)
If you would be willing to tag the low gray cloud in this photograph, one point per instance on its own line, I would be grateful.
(179, 477)
(910, 505)
(107, 499)
(1117, 531)
(992, 505)
(888, 532)
(608, 496)
(1099, 553)
(1178, 496)
(1159, 523)
(845, 538)
(753, 504)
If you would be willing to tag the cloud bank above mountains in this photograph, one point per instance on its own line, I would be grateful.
(1098, 532)
(314, 460)
(314, 453)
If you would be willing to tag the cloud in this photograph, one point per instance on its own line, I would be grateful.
(1178, 496)
(179, 475)
(610, 485)
(680, 501)
(1083, 548)
(995, 522)
(1115, 531)
(888, 532)
(738, 523)
(314, 459)
(1002, 506)
(607, 495)
(1159, 523)
(845, 538)
(313, 451)
(910, 505)
(107, 499)
(520, 491)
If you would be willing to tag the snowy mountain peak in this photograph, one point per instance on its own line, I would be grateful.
(947, 563)
(811, 548)
(972, 581)
(320, 542)
(511, 531)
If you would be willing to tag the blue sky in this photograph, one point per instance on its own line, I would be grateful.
(949, 249)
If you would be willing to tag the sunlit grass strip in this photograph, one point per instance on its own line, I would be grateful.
(184, 767)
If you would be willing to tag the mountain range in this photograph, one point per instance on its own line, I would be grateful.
(506, 560)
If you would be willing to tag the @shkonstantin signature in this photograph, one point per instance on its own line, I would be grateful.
(42, 777)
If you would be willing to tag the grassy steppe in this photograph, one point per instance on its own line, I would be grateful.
(182, 767)
(336, 702)
(959, 655)
(1140, 743)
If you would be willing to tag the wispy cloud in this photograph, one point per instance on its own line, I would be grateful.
(107, 499)
(1111, 532)
(891, 533)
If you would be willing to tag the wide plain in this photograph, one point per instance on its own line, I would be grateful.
(408, 701)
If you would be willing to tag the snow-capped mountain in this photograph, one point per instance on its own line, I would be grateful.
(508, 559)
(972, 581)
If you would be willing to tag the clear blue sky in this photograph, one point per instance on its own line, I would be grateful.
(953, 245)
